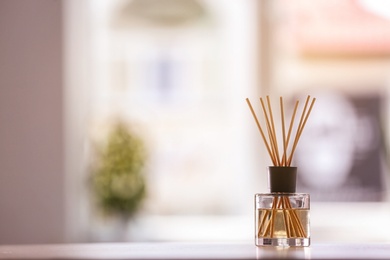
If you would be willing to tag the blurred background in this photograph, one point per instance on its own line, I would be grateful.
(126, 120)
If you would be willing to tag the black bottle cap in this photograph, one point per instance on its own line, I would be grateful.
(282, 179)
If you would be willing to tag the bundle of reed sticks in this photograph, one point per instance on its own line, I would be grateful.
(281, 158)
(284, 156)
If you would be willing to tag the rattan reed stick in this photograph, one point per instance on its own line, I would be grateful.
(273, 130)
(271, 135)
(300, 130)
(261, 130)
(297, 131)
(283, 132)
(290, 129)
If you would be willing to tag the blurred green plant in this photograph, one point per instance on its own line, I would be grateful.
(117, 177)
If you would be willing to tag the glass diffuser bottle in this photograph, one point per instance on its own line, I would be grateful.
(282, 216)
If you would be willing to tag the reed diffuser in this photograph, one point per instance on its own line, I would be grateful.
(282, 216)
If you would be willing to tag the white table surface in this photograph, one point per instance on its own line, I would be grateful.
(192, 251)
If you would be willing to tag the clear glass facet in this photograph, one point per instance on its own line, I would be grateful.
(282, 219)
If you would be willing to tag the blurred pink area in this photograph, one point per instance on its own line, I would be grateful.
(337, 27)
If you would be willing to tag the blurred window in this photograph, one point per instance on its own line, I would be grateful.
(178, 72)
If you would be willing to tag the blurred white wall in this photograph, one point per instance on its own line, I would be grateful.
(31, 122)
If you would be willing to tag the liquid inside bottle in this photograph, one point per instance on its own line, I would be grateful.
(282, 220)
